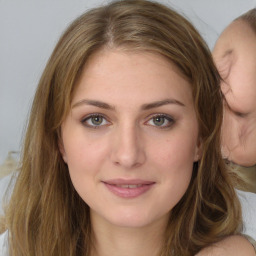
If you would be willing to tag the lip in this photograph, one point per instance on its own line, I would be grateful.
(121, 188)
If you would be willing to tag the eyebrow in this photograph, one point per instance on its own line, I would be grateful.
(95, 103)
(147, 106)
(160, 103)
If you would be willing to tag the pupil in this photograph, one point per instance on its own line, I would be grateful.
(96, 120)
(159, 120)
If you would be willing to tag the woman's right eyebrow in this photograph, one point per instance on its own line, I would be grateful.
(95, 103)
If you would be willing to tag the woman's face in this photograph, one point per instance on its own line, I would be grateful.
(235, 57)
(131, 137)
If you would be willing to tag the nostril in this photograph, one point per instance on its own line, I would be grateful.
(128, 156)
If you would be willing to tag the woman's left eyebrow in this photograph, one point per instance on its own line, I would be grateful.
(160, 103)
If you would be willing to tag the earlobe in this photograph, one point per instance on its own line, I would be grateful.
(198, 151)
(62, 150)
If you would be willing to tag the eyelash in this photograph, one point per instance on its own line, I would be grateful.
(85, 120)
(168, 121)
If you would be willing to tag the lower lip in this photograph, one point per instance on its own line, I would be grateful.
(129, 192)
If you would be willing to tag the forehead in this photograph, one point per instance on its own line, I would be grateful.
(123, 74)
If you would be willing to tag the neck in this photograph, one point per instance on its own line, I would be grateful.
(111, 240)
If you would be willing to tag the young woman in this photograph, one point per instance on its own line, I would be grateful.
(122, 153)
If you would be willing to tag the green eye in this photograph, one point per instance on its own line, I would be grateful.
(94, 121)
(159, 120)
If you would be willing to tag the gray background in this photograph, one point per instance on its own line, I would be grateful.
(29, 29)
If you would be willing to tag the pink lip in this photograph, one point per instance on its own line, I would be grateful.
(120, 187)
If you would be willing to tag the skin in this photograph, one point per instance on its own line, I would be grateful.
(235, 58)
(233, 246)
(129, 145)
(125, 139)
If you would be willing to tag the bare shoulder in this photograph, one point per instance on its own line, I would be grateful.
(230, 246)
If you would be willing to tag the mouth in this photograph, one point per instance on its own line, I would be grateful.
(128, 188)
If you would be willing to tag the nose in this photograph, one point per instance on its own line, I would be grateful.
(127, 147)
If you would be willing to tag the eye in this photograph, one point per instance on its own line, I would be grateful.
(94, 121)
(161, 121)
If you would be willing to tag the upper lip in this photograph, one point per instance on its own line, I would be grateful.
(128, 182)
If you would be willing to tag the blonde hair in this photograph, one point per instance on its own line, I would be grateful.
(46, 216)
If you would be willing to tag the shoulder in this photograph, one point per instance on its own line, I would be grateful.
(230, 246)
(4, 244)
(248, 203)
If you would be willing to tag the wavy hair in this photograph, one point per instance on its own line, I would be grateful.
(46, 216)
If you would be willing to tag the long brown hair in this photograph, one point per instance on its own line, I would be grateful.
(46, 216)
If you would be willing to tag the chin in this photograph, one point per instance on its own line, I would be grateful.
(130, 219)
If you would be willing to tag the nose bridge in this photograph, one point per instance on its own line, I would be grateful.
(127, 149)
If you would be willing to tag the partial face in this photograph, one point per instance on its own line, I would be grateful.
(131, 137)
(235, 57)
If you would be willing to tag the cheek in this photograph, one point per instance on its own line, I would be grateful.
(174, 165)
(85, 150)
(84, 163)
(84, 160)
(175, 157)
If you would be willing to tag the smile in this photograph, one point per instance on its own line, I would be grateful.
(128, 189)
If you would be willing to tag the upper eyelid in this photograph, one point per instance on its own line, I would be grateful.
(170, 118)
(161, 115)
(87, 117)
(93, 115)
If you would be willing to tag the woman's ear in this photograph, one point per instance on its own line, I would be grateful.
(62, 150)
(199, 150)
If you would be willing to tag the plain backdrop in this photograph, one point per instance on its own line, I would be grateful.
(29, 30)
